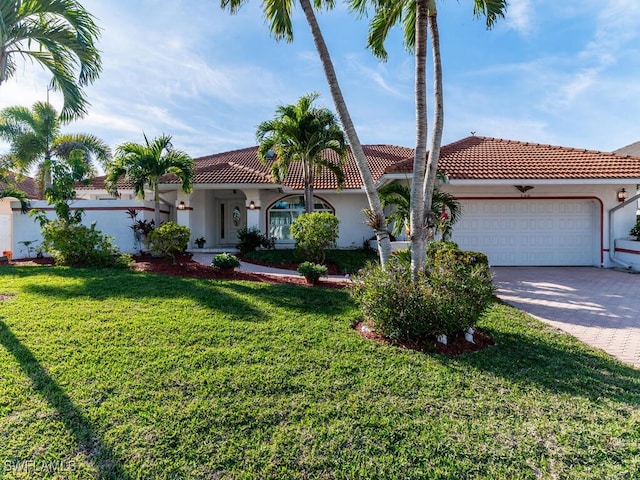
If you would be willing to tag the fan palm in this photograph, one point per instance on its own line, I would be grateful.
(35, 138)
(144, 164)
(300, 133)
(278, 13)
(60, 35)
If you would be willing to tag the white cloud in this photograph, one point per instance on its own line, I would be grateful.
(520, 16)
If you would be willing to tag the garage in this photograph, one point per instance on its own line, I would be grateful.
(531, 232)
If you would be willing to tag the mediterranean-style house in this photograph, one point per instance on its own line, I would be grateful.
(523, 203)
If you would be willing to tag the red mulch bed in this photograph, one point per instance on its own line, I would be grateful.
(186, 267)
(456, 344)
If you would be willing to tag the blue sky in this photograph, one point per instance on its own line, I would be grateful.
(560, 72)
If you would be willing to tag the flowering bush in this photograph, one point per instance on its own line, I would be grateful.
(449, 297)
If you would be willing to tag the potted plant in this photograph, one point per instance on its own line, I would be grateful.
(312, 271)
(200, 241)
(225, 263)
(635, 231)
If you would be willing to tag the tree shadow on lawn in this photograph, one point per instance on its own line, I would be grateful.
(95, 452)
(225, 296)
(559, 363)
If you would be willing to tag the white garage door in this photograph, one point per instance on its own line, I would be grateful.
(530, 232)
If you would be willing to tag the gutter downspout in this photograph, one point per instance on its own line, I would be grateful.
(612, 247)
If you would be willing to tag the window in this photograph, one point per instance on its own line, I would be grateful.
(282, 214)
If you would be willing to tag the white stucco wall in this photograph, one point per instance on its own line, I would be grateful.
(110, 216)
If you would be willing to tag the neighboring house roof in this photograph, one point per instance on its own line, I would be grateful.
(481, 158)
(27, 184)
(472, 158)
(98, 183)
(633, 149)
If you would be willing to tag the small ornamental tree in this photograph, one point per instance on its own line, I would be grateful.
(65, 238)
(169, 239)
(314, 233)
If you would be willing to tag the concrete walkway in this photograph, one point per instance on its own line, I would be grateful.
(600, 307)
(205, 258)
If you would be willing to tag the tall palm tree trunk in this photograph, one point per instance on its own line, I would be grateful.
(438, 114)
(379, 224)
(417, 205)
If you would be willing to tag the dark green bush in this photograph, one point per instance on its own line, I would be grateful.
(76, 245)
(448, 298)
(400, 309)
(225, 260)
(312, 271)
(249, 239)
(462, 286)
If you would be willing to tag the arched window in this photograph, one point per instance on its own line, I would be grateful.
(283, 212)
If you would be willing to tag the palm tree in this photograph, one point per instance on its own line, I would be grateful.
(417, 16)
(300, 133)
(35, 139)
(60, 35)
(278, 13)
(144, 164)
(398, 196)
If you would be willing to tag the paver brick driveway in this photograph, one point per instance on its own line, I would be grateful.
(600, 307)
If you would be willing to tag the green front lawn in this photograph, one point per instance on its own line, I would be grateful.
(117, 374)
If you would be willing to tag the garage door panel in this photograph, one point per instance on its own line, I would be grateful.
(529, 232)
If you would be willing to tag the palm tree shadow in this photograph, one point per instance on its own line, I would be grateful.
(94, 450)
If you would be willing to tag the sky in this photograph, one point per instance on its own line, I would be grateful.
(555, 72)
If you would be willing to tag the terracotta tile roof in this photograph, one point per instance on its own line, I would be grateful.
(472, 158)
(243, 166)
(28, 185)
(98, 183)
(480, 158)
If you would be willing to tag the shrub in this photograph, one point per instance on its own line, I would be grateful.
(400, 309)
(435, 247)
(169, 239)
(312, 271)
(635, 230)
(249, 239)
(225, 260)
(314, 233)
(402, 256)
(77, 245)
(448, 298)
(462, 287)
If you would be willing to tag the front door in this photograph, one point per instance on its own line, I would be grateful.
(232, 216)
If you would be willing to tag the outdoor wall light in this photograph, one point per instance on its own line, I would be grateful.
(252, 205)
(182, 206)
(622, 195)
